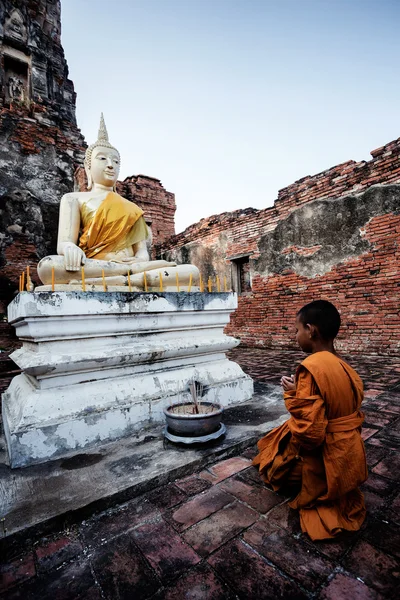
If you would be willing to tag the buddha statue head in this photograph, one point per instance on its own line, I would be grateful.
(102, 160)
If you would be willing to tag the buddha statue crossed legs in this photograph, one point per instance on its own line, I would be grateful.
(106, 234)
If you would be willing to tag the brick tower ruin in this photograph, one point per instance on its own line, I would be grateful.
(40, 144)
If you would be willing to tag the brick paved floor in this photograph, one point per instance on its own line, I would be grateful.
(221, 534)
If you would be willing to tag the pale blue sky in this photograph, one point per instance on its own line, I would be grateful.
(228, 101)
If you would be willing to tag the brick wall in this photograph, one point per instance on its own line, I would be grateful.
(158, 204)
(334, 235)
(365, 289)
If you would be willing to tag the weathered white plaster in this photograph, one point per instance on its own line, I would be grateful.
(99, 366)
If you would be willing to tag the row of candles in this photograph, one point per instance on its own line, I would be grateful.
(202, 286)
(22, 285)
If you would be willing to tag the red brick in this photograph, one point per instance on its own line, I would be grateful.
(261, 499)
(389, 467)
(383, 535)
(373, 502)
(374, 454)
(285, 517)
(16, 572)
(122, 570)
(367, 432)
(199, 584)
(289, 554)
(75, 580)
(251, 576)
(53, 553)
(343, 587)
(166, 496)
(211, 533)
(164, 549)
(382, 440)
(198, 508)
(105, 527)
(377, 419)
(375, 568)
(192, 485)
(225, 469)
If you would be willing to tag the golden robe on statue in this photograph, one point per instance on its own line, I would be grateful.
(320, 448)
(115, 225)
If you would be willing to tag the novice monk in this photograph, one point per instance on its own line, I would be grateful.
(319, 450)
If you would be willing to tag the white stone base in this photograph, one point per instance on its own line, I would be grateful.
(98, 366)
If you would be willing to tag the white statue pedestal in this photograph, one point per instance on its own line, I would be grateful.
(98, 366)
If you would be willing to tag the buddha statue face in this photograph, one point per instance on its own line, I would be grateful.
(104, 166)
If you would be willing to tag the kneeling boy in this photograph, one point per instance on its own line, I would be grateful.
(319, 450)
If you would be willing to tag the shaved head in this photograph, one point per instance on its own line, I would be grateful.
(324, 315)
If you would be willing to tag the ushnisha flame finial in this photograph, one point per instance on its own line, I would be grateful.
(103, 135)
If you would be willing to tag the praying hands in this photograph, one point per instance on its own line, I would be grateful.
(288, 383)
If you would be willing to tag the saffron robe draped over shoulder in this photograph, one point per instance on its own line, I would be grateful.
(115, 225)
(320, 443)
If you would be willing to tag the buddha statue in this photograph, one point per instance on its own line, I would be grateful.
(106, 234)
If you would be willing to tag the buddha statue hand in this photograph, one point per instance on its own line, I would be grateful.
(74, 257)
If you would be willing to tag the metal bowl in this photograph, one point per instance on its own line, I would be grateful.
(186, 424)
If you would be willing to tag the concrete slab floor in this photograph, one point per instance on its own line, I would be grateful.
(204, 526)
(120, 470)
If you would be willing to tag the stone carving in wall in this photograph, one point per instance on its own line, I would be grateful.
(14, 27)
(16, 75)
(16, 89)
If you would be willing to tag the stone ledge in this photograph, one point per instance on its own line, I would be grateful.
(70, 489)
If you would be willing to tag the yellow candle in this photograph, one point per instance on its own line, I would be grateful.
(83, 280)
(28, 278)
(161, 287)
(23, 280)
(201, 284)
(218, 285)
(177, 283)
(104, 280)
(145, 281)
(225, 285)
(52, 279)
(209, 284)
(190, 282)
(129, 281)
(20, 283)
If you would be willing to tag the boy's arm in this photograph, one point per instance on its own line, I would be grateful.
(307, 409)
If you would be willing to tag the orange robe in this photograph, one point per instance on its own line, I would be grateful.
(114, 226)
(320, 446)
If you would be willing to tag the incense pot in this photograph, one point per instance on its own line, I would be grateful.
(182, 420)
(194, 421)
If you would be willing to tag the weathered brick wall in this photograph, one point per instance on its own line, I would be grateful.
(158, 204)
(315, 242)
(357, 269)
(351, 176)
